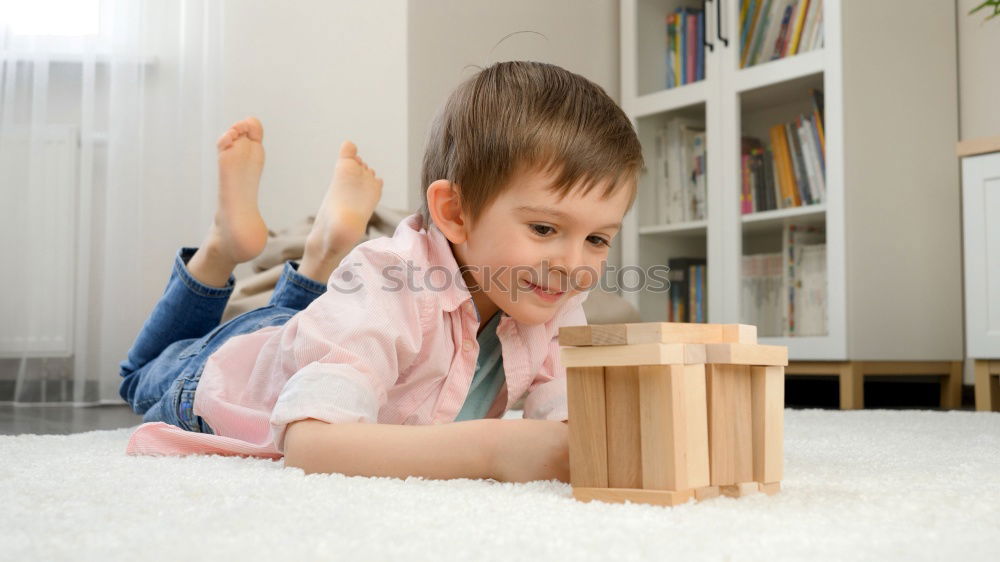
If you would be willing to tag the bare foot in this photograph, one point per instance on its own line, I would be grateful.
(238, 233)
(343, 215)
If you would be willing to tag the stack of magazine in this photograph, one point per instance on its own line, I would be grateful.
(679, 172)
(785, 294)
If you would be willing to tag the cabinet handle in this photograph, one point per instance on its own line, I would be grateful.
(704, 25)
(718, 23)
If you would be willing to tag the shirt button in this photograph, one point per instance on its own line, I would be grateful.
(467, 345)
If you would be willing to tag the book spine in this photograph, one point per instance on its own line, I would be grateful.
(779, 46)
(700, 46)
(692, 37)
(745, 188)
(782, 160)
(800, 17)
(801, 181)
(682, 43)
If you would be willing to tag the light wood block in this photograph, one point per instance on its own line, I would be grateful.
(746, 354)
(696, 414)
(768, 409)
(706, 493)
(769, 488)
(656, 332)
(729, 424)
(630, 355)
(620, 495)
(738, 333)
(987, 385)
(588, 453)
(574, 335)
(739, 490)
(621, 390)
(608, 334)
(663, 427)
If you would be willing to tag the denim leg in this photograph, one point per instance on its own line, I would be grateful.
(294, 290)
(188, 309)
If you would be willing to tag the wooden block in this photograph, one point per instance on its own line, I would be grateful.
(768, 410)
(626, 355)
(574, 335)
(770, 488)
(730, 436)
(739, 490)
(739, 333)
(663, 427)
(607, 334)
(696, 423)
(620, 495)
(621, 391)
(656, 332)
(746, 354)
(706, 493)
(588, 453)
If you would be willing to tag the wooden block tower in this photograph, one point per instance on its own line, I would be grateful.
(662, 412)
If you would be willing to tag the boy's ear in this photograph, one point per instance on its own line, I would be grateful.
(444, 204)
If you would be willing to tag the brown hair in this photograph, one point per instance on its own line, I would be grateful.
(533, 115)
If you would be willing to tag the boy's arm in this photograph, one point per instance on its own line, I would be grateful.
(454, 450)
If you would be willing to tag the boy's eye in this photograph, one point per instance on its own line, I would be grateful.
(536, 227)
(543, 230)
(598, 241)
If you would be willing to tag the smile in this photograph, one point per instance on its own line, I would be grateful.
(544, 293)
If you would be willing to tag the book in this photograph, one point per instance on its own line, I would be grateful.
(794, 237)
(760, 293)
(782, 158)
(679, 296)
(800, 17)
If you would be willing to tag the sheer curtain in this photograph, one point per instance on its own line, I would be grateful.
(108, 117)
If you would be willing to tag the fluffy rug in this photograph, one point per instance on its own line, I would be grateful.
(859, 485)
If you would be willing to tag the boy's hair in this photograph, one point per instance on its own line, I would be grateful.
(528, 115)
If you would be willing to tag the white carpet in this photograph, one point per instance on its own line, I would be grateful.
(871, 485)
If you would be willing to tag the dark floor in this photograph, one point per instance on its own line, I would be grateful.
(15, 420)
(810, 392)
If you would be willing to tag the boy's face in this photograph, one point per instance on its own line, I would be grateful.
(529, 251)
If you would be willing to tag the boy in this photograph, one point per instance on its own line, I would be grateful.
(529, 170)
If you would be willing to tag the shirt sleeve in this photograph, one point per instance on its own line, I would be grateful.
(347, 348)
(546, 397)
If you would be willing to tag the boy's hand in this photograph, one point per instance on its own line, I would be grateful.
(527, 450)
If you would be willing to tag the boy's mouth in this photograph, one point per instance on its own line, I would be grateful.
(543, 292)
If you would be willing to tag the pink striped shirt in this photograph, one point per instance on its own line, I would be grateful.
(373, 348)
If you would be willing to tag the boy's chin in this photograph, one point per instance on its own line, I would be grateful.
(531, 313)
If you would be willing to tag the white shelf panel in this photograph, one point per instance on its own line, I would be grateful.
(781, 70)
(765, 220)
(667, 100)
(692, 228)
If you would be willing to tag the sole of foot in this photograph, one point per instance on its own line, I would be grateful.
(347, 207)
(239, 232)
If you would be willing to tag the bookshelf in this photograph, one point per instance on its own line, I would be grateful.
(890, 210)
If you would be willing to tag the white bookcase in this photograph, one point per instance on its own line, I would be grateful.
(892, 209)
(981, 211)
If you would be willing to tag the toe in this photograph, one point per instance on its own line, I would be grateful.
(348, 150)
(226, 140)
(254, 129)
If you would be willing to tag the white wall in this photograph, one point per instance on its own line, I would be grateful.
(317, 73)
(978, 71)
(449, 39)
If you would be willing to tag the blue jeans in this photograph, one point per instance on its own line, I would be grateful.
(164, 365)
